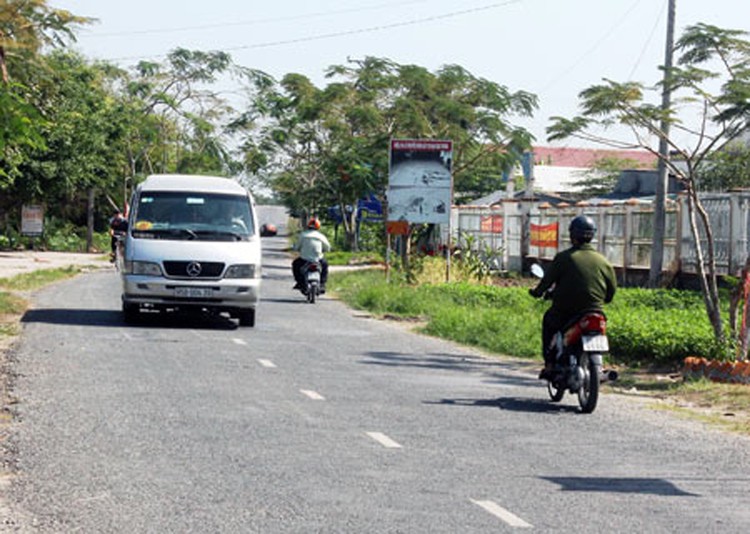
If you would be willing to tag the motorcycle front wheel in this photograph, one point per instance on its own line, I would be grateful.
(588, 394)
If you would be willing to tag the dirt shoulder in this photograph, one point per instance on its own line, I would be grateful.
(19, 262)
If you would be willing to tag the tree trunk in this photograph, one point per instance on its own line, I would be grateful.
(90, 221)
(352, 236)
(350, 227)
(3, 65)
(707, 280)
(738, 320)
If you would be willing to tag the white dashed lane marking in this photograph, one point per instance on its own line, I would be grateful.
(501, 513)
(267, 363)
(384, 440)
(239, 341)
(312, 394)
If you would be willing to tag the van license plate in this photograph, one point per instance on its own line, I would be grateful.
(595, 344)
(194, 292)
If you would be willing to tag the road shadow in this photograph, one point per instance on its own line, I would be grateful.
(514, 404)
(641, 486)
(285, 268)
(494, 369)
(456, 362)
(292, 300)
(114, 318)
(277, 276)
(275, 253)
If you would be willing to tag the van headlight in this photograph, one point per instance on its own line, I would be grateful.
(243, 270)
(145, 268)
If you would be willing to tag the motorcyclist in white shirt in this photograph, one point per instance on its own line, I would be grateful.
(311, 246)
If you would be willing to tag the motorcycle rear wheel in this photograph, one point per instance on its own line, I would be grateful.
(311, 294)
(556, 393)
(588, 394)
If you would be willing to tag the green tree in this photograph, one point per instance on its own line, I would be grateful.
(83, 141)
(20, 130)
(181, 112)
(329, 146)
(726, 169)
(27, 25)
(602, 177)
(706, 54)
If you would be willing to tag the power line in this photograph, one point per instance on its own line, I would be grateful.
(657, 22)
(345, 33)
(304, 16)
(595, 46)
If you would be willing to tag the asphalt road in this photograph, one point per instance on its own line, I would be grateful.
(322, 419)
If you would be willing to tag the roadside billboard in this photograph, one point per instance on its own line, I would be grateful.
(420, 184)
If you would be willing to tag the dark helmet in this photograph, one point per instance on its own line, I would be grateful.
(582, 229)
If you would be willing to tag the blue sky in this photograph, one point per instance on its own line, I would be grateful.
(553, 48)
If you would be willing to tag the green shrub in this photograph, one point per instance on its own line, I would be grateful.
(645, 327)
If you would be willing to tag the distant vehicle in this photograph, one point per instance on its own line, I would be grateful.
(192, 243)
(268, 230)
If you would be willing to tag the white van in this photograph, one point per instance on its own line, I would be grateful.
(192, 242)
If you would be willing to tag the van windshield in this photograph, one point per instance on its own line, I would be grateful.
(187, 215)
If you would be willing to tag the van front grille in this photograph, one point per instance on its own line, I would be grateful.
(193, 269)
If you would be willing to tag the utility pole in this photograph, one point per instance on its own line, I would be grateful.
(660, 204)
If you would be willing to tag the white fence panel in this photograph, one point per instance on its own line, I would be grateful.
(625, 231)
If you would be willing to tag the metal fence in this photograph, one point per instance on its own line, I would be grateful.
(521, 230)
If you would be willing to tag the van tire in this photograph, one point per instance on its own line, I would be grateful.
(130, 313)
(247, 317)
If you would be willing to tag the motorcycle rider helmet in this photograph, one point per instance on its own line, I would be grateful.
(313, 224)
(582, 229)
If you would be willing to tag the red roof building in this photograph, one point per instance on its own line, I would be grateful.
(585, 158)
(556, 170)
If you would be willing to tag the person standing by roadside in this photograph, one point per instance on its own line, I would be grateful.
(116, 229)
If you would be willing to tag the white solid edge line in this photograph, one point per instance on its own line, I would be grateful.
(384, 440)
(501, 513)
(267, 363)
(314, 395)
(239, 341)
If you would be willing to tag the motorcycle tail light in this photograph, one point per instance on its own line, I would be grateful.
(312, 267)
(593, 322)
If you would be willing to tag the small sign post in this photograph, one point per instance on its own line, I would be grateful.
(32, 220)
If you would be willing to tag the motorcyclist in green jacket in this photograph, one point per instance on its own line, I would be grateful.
(582, 280)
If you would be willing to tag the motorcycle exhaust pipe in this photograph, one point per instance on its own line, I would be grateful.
(608, 375)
